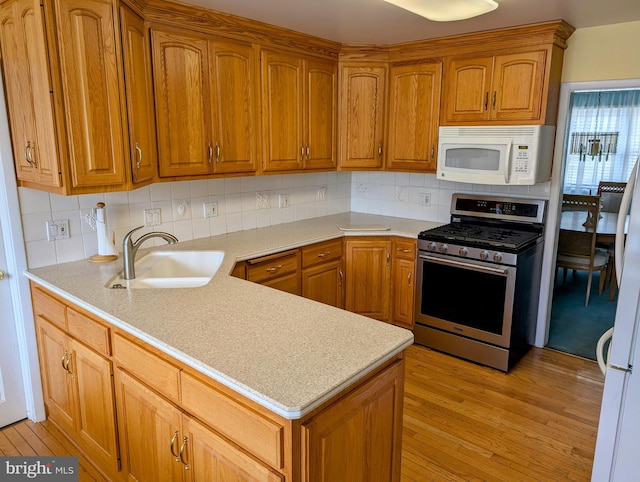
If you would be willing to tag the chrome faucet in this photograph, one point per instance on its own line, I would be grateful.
(130, 248)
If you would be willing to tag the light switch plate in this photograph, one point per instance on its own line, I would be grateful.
(57, 229)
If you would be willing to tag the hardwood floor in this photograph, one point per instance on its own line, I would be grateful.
(462, 421)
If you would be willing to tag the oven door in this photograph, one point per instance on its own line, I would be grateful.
(469, 298)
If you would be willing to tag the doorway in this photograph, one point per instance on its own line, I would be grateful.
(598, 140)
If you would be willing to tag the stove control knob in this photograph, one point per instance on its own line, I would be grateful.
(432, 246)
(463, 252)
(497, 257)
(484, 255)
(444, 248)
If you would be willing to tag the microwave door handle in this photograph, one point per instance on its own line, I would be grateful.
(507, 164)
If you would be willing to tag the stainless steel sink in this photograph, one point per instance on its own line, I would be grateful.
(172, 269)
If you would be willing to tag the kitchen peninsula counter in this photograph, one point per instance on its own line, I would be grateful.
(285, 352)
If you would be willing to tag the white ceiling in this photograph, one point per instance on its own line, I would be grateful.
(378, 22)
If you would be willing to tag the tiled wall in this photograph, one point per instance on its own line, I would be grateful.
(311, 195)
(403, 194)
(386, 193)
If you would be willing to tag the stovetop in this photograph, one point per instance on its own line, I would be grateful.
(480, 235)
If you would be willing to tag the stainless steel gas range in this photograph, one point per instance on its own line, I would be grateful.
(479, 279)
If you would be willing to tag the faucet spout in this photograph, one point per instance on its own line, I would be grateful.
(130, 248)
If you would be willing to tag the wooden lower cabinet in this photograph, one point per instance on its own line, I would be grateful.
(280, 271)
(368, 276)
(176, 446)
(323, 272)
(342, 442)
(404, 273)
(78, 393)
(140, 415)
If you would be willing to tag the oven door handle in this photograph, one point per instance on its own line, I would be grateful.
(462, 264)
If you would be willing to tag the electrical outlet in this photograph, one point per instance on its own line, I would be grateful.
(210, 209)
(425, 198)
(284, 201)
(57, 229)
(152, 217)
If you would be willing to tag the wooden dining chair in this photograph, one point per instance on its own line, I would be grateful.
(577, 249)
(610, 195)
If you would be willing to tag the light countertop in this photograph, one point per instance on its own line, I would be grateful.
(285, 352)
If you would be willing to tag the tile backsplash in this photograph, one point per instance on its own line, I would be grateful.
(243, 203)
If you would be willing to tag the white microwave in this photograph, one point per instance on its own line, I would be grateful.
(501, 155)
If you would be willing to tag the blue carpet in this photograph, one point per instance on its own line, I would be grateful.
(575, 328)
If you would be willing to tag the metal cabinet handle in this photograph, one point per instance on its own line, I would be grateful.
(210, 153)
(66, 365)
(308, 151)
(217, 152)
(388, 257)
(341, 276)
(139, 151)
(1, 275)
(183, 447)
(409, 279)
(433, 152)
(380, 151)
(301, 152)
(62, 361)
(26, 152)
(493, 102)
(486, 100)
(172, 445)
(322, 255)
(405, 250)
(274, 269)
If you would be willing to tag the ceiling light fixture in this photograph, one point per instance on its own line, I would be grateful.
(446, 10)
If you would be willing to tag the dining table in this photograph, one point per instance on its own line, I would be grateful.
(605, 232)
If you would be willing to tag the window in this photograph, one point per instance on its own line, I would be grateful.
(603, 141)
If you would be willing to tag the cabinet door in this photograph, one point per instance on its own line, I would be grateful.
(212, 458)
(414, 110)
(91, 89)
(362, 114)
(139, 92)
(518, 86)
(321, 78)
(403, 284)
(149, 428)
(96, 421)
(360, 436)
(28, 88)
(368, 277)
(181, 76)
(467, 86)
(57, 384)
(282, 103)
(323, 283)
(233, 87)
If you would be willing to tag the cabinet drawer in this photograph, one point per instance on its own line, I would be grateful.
(405, 249)
(152, 370)
(257, 434)
(49, 308)
(270, 267)
(321, 252)
(89, 332)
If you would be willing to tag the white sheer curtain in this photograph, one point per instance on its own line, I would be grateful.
(614, 111)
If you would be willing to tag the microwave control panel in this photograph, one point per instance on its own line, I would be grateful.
(522, 158)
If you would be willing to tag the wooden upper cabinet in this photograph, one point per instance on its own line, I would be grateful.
(205, 105)
(414, 108)
(89, 56)
(140, 103)
(28, 89)
(509, 88)
(181, 74)
(362, 115)
(298, 112)
(321, 88)
(235, 112)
